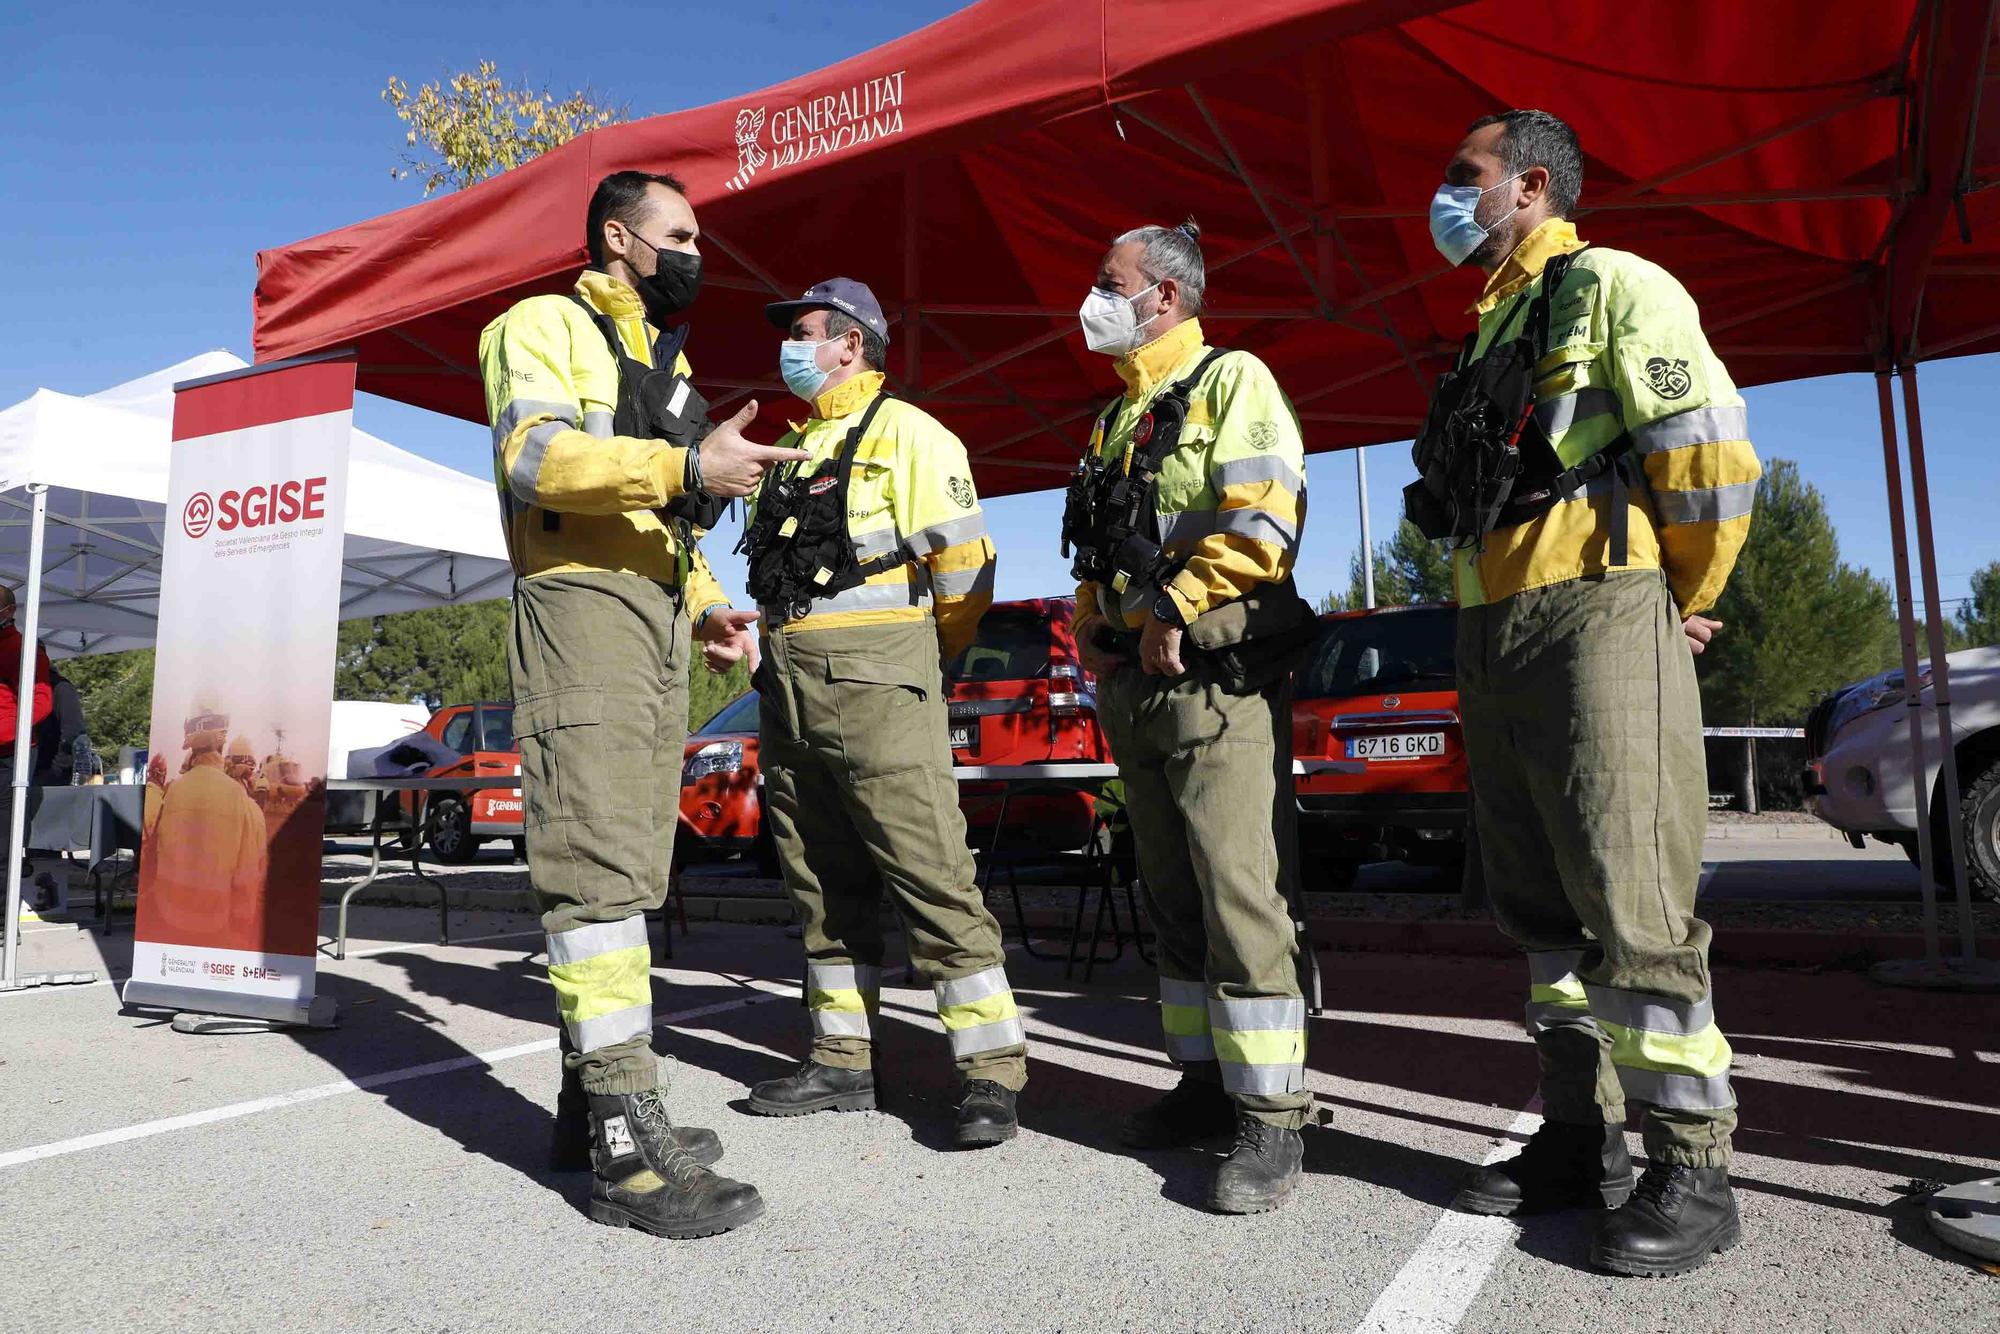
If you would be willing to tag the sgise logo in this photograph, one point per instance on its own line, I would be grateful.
(255, 506)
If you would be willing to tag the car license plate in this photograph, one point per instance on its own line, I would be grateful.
(1396, 746)
(965, 735)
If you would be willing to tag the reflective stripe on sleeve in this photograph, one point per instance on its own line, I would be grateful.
(1714, 504)
(1558, 414)
(881, 542)
(1697, 426)
(1260, 1042)
(597, 423)
(978, 1012)
(1239, 472)
(521, 409)
(1259, 524)
(962, 583)
(524, 478)
(950, 533)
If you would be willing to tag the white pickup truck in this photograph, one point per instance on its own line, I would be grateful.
(1858, 762)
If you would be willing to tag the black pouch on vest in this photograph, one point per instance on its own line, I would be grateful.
(659, 403)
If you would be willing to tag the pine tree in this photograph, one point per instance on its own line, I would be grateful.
(1797, 620)
(1409, 569)
(1979, 619)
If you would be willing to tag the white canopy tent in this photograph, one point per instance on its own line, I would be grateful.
(83, 491)
(419, 534)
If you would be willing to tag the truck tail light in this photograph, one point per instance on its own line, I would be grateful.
(1066, 696)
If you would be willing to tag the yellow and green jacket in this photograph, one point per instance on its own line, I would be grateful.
(1626, 354)
(551, 394)
(911, 491)
(1231, 498)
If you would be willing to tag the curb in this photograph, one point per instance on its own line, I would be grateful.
(1764, 832)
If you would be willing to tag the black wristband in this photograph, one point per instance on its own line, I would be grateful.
(1166, 610)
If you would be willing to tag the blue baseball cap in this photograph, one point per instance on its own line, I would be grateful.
(842, 294)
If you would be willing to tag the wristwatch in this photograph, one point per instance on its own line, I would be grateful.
(1169, 611)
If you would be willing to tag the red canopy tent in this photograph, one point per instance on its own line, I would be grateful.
(1817, 174)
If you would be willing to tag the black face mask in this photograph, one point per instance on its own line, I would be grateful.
(673, 285)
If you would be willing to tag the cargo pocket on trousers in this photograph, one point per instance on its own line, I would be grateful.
(558, 731)
(891, 718)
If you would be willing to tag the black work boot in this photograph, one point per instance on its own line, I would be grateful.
(1677, 1217)
(815, 1088)
(569, 1149)
(1259, 1173)
(985, 1114)
(1564, 1166)
(1193, 1110)
(647, 1181)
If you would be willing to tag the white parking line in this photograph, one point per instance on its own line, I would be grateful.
(1438, 1283)
(469, 1061)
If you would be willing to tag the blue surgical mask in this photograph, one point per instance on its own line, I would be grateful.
(798, 363)
(1455, 228)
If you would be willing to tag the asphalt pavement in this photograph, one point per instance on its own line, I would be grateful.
(389, 1174)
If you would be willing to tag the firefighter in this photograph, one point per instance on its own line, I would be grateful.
(1185, 516)
(209, 843)
(156, 796)
(1580, 609)
(872, 566)
(608, 468)
(240, 763)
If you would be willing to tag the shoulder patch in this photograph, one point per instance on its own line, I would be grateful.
(961, 492)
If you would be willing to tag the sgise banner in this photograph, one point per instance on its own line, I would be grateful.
(229, 873)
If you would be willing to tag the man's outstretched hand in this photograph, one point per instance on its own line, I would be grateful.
(732, 465)
(728, 636)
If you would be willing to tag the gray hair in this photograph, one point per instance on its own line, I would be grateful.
(1537, 139)
(874, 348)
(1173, 252)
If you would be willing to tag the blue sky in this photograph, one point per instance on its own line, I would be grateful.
(151, 150)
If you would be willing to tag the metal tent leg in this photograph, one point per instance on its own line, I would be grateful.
(1929, 971)
(17, 815)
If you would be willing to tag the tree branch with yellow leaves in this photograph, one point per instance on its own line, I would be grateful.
(468, 126)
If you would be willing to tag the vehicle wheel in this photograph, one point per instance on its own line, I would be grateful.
(1979, 808)
(450, 831)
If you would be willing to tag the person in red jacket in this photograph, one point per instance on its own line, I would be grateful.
(10, 706)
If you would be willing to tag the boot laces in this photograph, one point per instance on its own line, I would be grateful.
(675, 1163)
(1251, 1134)
(1662, 1185)
(979, 1088)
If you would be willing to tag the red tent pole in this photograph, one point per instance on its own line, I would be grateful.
(1899, 547)
(1920, 496)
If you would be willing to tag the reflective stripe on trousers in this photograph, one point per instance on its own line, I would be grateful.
(841, 996)
(978, 1012)
(1184, 1019)
(1261, 1042)
(1668, 1053)
(602, 973)
(1555, 995)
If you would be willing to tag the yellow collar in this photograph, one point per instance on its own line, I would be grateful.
(847, 396)
(609, 296)
(1555, 237)
(1151, 363)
